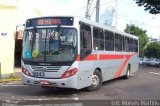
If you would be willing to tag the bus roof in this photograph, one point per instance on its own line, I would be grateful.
(87, 21)
(92, 23)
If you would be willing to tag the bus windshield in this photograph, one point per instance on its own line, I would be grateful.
(50, 44)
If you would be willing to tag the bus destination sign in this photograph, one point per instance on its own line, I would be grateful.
(48, 21)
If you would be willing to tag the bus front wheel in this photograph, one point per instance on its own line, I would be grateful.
(96, 81)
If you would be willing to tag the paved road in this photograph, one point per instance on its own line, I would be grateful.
(144, 85)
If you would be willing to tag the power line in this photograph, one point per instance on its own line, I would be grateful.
(94, 8)
(89, 3)
(144, 23)
(107, 3)
(137, 22)
(92, 11)
(97, 10)
(100, 5)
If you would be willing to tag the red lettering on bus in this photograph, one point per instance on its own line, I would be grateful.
(56, 21)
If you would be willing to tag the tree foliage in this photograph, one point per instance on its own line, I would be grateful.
(153, 6)
(152, 50)
(143, 38)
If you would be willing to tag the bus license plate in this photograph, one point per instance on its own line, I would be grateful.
(43, 82)
(38, 74)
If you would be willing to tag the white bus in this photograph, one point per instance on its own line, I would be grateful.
(73, 52)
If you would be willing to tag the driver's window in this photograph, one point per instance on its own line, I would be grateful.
(86, 44)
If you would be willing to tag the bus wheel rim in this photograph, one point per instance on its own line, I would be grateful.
(95, 80)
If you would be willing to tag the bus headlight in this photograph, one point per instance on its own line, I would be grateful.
(69, 73)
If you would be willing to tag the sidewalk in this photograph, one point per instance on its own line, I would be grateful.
(15, 77)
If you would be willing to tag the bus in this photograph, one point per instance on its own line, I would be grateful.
(74, 52)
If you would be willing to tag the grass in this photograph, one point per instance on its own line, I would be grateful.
(12, 77)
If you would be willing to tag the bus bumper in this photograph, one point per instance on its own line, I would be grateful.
(70, 82)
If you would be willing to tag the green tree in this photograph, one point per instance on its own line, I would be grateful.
(143, 38)
(152, 50)
(153, 6)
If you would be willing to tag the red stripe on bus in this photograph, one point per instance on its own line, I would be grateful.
(90, 57)
(110, 57)
(101, 57)
(121, 69)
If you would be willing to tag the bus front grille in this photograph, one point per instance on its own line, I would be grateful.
(46, 68)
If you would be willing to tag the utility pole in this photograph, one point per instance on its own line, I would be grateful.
(87, 10)
(116, 13)
(97, 7)
(97, 10)
(87, 14)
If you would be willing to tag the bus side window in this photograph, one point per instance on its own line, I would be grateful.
(127, 44)
(109, 41)
(85, 40)
(136, 45)
(131, 45)
(98, 39)
(123, 44)
(118, 42)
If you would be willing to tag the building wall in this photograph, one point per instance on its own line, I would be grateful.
(12, 13)
(7, 28)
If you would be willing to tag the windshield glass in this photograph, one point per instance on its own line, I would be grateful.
(50, 45)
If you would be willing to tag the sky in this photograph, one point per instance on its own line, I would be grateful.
(127, 12)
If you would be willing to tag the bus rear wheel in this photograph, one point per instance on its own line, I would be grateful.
(96, 81)
(127, 73)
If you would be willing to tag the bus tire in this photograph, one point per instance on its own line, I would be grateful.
(96, 81)
(127, 73)
(159, 65)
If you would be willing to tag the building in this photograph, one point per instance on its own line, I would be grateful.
(151, 40)
(10, 14)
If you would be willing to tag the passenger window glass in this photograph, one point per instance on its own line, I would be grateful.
(126, 44)
(118, 42)
(98, 39)
(109, 41)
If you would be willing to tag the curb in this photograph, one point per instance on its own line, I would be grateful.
(9, 80)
